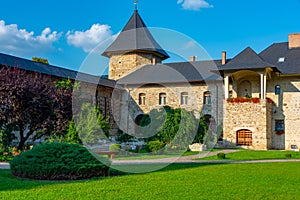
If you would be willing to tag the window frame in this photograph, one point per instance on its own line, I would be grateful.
(207, 98)
(142, 99)
(279, 125)
(184, 98)
(162, 98)
(277, 90)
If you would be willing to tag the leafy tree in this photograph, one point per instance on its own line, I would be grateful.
(32, 106)
(26, 102)
(5, 139)
(202, 130)
(72, 135)
(63, 115)
(92, 125)
(174, 127)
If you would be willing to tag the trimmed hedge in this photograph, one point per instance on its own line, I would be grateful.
(221, 155)
(58, 161)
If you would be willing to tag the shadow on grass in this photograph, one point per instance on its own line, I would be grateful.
(9, 182)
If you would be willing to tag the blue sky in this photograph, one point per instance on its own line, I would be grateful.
(65, 32)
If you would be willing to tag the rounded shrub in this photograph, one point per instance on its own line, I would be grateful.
(58, 161)
(155, 146)
(115, 147)
(221, 155)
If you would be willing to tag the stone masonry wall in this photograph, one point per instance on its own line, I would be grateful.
(121, 65)
(255, 117)
(287, 108)
(173, 93)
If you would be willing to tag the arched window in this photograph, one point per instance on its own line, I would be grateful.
(277, 89)
(207, 98)
(184, 98)
(162, 98)
(142, 99)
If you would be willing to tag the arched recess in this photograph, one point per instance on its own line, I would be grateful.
(245, 89)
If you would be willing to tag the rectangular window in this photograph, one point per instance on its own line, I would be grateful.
(207, 98)
(142, 99)
(279, 125)
(162, 99)
(184, 98)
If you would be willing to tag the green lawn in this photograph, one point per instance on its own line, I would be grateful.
(256, 155)
(188, 181)
(141, 156)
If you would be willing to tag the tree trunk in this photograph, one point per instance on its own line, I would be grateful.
(23, 139)
(21, 144)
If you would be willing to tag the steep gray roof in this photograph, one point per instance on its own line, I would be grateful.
(12, 61)
(291, 62)
(181, 72)
(247, 59)
(135, 36)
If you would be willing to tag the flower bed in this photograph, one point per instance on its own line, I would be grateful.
(249, 100)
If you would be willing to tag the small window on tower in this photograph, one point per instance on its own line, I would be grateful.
(162, 98)
(142, 99)
(184, 98)
(281, 59)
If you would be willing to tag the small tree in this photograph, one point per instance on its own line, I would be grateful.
(178, 129)
(32, 106)
(202, 130)
(92, 125)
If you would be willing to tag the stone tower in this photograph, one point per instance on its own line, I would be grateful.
(134, 47)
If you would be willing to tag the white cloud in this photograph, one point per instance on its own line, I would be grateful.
(21, 42)
(194, 4)
(189, 45)
(89, 39)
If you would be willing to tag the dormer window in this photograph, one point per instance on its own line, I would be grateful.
(281, 59)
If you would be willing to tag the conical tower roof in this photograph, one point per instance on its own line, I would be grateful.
(135, 37)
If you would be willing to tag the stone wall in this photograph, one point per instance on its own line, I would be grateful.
(287, 108)
(173, 92)
(121, 65)
(255, 117)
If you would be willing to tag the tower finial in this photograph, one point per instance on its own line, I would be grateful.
(136, 2)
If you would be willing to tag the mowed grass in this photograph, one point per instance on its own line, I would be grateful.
(177, 181)
(146, 156)
(256, 155)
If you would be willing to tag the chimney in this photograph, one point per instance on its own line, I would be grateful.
(224, 57)
(192, 58)
(294, 40)
(154, 61)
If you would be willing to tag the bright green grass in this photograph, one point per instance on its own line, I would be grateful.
(256, 155)
(141, 156)
(189, 181)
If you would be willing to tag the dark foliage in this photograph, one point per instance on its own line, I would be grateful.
(155, 146)
(58, 161)
(32, 106)
(176, 128)
(221, 155)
